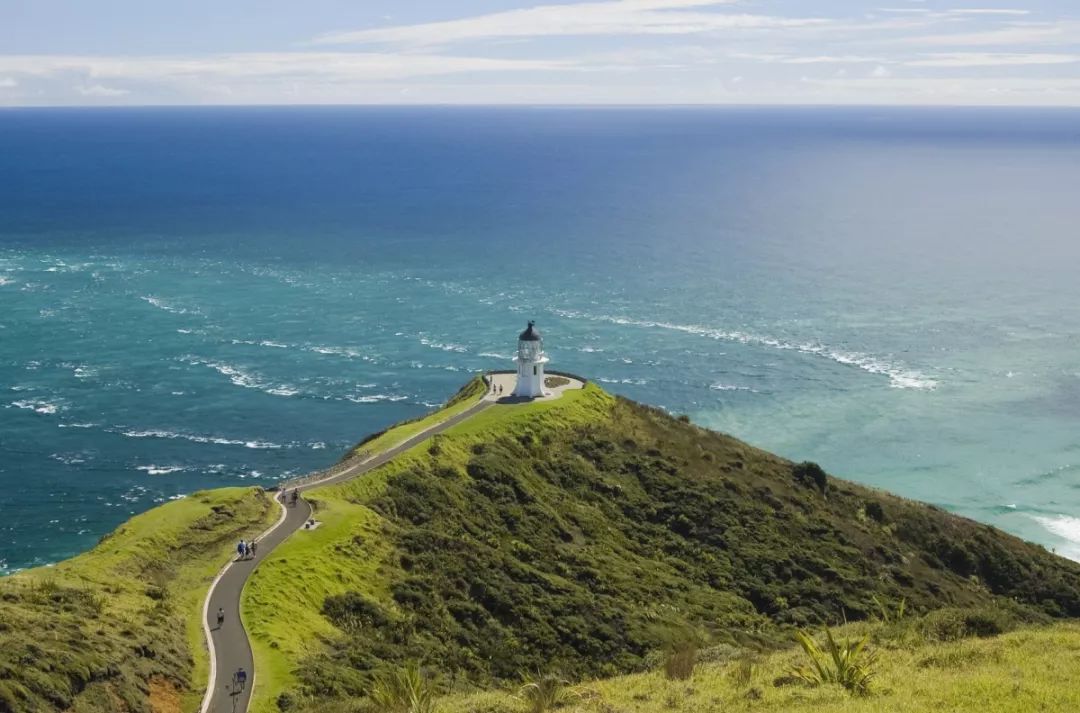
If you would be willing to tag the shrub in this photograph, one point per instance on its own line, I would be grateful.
(404, 690)
(955, 624)
(843, 663)
(809, 473)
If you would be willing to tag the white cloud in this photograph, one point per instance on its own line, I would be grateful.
(98, 90)
(1052, 33)
(880, 71)
(320, 66)
(987, 59)
(989, 11)
(609, 17)
(8, 83)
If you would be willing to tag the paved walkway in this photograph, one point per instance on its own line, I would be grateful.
(508, 381)
(230, 648)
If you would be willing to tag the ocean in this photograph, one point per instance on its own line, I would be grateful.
(202, 297)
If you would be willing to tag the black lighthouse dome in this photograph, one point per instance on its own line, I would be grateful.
(530, 334)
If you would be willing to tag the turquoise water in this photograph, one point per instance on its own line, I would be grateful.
(194, 298)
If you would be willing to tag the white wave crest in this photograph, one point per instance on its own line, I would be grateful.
(1065, 527)
(5, 280)
(77, 425)
(166, 306)
(731, 387)
(195, 438)
(635, 382)
(347, 352)
(261, 343)
(239, 377)
(375, 398)
(446, 347)
(494, 355)
(160, 469)
(47, 408)
(900, 377)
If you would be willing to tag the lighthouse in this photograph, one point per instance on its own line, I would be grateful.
(530, 363)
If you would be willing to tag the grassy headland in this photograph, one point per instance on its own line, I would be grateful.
(586, 534)
(119, 627)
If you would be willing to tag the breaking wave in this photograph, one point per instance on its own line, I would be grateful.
(1065, 527)
(900, 377)
(731, 387)
(375, 398)
(239, 377)
(194, 438)
(47, 408)
(446, 347)
(166, 306)
(160, 469)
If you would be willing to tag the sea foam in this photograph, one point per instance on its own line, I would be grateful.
(38, 406)
(166, 306)
(195, 438)
(160, 469)
(900, 377)
(1065, 527)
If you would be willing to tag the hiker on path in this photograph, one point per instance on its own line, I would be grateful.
(252, 546)
(240, 678)
(241, 549)
(220, 617)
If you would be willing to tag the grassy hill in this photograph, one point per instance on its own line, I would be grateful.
(118, 629)
(586, 535)
(1031, 669)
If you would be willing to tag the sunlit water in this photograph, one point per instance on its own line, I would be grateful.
(195, 298)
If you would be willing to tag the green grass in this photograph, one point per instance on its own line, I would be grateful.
(121, 624)
(586, 534)
(351, 550)
(468, 396)
(1032, 669)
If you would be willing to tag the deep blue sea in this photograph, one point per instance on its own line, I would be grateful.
(193, 298)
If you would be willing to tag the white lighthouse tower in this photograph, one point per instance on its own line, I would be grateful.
(530, 364)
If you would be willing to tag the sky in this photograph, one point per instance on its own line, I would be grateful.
(211, 52)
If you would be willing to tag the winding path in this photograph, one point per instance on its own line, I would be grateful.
(230, 648)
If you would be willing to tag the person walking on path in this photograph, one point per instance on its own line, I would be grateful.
(239, 679)
(220, 616)
(241, 549)
(252, 547)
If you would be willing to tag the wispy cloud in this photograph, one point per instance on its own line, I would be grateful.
(611, 17)
(321, 66)
(987, 59)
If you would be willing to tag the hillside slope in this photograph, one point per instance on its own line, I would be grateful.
(118, 629)
(584, 534)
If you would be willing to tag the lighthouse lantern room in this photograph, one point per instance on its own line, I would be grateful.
(530, 363)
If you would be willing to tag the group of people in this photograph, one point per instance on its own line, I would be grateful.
(246, 550)
(496, 389)
(290, 497)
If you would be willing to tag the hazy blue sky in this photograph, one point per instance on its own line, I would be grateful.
(509, 51)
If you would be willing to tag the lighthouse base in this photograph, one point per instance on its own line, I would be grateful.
(530, 380)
